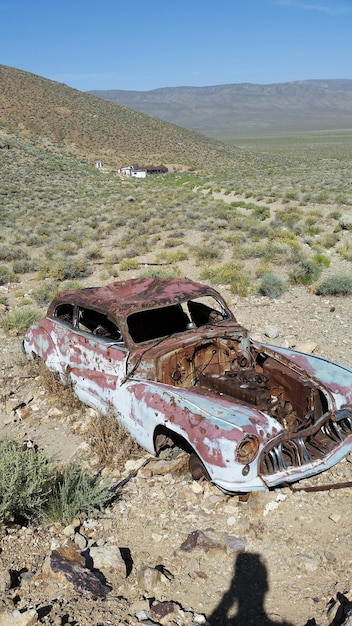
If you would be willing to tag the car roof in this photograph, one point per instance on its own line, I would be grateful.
(120, 298)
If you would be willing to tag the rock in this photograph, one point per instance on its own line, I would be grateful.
(142, 616)
(199, 619)
(81, 541)
(235, 544)
(16, 618)
(149, 578)
(23, 413)
(67, 566)
(274, 504)
(172, 466)
(5, 581)
(69, 530)
(198, 539)
(141, 606)
(108, 557)
(306, 346)
(272, 332)
(197, 488)
(132, 465)
(13, 403)
(166, 613)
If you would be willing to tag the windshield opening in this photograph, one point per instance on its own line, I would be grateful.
(176, 318)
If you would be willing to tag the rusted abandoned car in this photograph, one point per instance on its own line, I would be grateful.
(169, 357)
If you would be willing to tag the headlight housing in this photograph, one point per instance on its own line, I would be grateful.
(247, 449)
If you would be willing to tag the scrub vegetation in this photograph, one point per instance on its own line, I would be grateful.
(66, 224)
(32, 489)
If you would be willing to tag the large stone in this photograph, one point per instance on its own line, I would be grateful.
(166, 613)
(67, 566)
(108, 557)
(149, 578)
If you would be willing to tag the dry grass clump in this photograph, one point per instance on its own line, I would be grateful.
(20, 318)
(228, 273)
(110, 441)
(64, 394)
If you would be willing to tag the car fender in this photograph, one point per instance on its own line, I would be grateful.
(39, 342)
(212, 425)
(336, 378)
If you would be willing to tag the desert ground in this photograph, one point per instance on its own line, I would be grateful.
(168, 550)
(282, 557)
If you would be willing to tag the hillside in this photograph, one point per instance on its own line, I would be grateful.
(81, 125)
(236, 110)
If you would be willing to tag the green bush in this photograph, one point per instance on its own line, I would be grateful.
(6, 276)
(45, 293)
(32, 489)
(65, 269)
(271, 285)
(21, 318)
(25, 482)
(128, 264)
(207, 251)
(75, 493)
(305, 272)
(173, 242)
(321, 259)
(229, 273)
(261, 212)
(337, 285)
(172, 256)
(24, 266)
(159, 272)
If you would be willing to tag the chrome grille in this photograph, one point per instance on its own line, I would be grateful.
(305, 447)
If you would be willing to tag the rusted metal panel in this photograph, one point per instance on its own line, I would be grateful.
(122, 298)
(256, 415)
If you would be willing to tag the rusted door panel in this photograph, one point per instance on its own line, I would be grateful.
(96, 368)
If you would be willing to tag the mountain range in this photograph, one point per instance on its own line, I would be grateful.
(239, 110)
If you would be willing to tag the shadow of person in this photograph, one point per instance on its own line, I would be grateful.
(243, 603)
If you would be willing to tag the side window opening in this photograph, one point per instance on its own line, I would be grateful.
(206, 310)
(98, 324)
(203, 314)
(64, 312)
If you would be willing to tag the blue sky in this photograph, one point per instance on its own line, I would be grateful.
(141, 45)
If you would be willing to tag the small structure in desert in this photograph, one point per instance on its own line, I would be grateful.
(133, 170)
(156, 169)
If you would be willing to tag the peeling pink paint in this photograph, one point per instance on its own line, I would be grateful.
(129, 346)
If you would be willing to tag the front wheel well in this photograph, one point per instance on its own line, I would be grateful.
(164, 437)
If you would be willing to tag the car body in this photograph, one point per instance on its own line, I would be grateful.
(170, 359)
